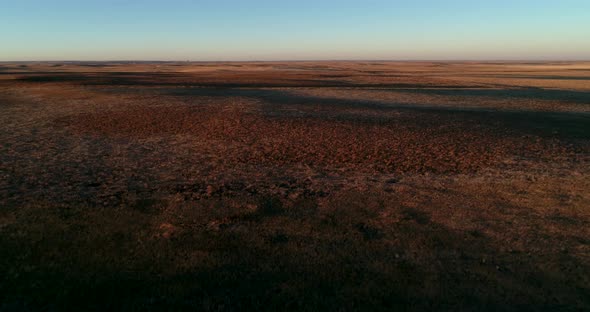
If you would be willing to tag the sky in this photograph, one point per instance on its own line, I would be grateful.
(247, 30)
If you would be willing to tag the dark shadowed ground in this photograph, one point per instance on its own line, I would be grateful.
(295, 186)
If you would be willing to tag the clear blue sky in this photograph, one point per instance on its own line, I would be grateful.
(293, 29)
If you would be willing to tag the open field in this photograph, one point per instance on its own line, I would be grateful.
(295, 186)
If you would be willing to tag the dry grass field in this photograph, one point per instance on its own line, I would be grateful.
(315, 186)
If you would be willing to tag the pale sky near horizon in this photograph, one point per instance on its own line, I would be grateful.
(220, 30)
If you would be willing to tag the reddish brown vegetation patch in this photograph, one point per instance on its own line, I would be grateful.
(403, 142)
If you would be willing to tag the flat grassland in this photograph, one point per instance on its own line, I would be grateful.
(295, 186)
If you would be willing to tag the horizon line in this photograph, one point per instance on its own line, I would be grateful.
(298, 60)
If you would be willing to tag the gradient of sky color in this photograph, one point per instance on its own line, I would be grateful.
(294, 30)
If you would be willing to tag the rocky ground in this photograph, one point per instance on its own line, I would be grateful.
(299, 186)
